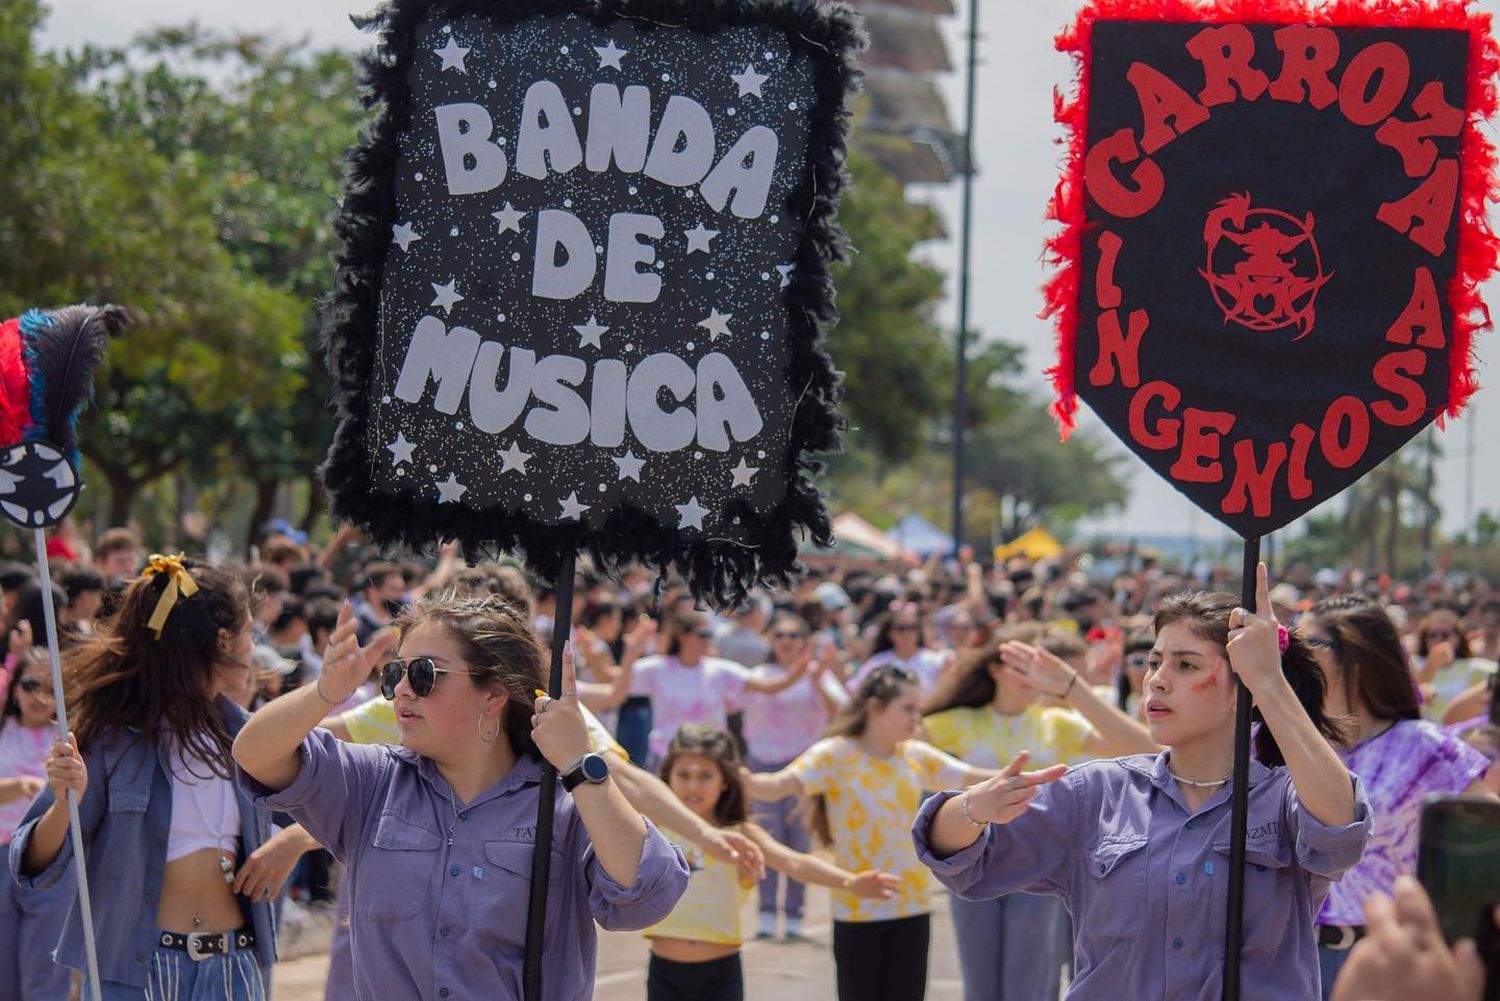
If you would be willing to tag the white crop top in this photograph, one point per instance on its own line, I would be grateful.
(205, 813)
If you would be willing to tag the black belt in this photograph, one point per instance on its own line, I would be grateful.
(200, 945)
(1340, 937)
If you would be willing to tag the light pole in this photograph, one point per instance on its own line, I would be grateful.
(961, 390)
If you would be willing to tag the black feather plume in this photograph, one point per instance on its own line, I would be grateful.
(62, 348)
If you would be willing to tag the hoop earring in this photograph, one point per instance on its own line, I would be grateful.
(479, 725)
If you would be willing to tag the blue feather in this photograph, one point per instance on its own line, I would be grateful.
(34, 325)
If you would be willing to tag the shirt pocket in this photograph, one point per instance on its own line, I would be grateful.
(509, 897)
(1270, 895)
(396, 871)
(1117, 888)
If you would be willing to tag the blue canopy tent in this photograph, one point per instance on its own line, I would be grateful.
(916, 534)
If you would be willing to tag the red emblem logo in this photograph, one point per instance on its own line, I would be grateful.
(1263, 266)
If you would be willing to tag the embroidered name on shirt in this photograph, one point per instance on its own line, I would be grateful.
(1271, 829)
(527, 833)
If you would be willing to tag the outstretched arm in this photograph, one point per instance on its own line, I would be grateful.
(811, 869)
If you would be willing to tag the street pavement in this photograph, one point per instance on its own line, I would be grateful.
(774, 970)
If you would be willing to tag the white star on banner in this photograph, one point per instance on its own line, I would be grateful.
(514, 459)
(400, 450)
(590, 332)
(451, 491)
(630, 466)
(610, 55)
(509, 218)
(691, 514)
(743, 473)
(716, 323)
(447, 295)
(403, 236)
(749, 81)
(786, 273)
(452, 55)
(571, 509)
(698, 237)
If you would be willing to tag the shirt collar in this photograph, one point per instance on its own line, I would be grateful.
(527, 771)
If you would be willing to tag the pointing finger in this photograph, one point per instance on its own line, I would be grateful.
(1263, 592)
(569, 674)
(1016, 764)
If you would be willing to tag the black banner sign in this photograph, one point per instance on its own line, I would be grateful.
(584, 278)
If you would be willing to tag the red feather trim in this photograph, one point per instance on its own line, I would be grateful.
(15, 392)
(1478, 248)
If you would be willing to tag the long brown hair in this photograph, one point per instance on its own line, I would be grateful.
(1206, 614)
(719, 747)
(679, 624)
(126, 678)
(1370, 656)
(887, 619)
(884, 684)
(969, 683)
(499, 647)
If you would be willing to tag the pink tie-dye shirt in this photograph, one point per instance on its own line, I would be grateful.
(707, 692)
(1399, 768)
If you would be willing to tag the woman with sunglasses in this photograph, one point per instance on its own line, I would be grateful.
(866, 777)
(779, 727)
(167, 833)
(1138, 847)
(898, 641)
(1445, 664)
(30, 923)
(1401, 758)
(437, 835)
(684, 683)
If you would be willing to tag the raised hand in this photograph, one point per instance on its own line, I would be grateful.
(1254, 654)
(1046, 672)
(21, 638)
(557, 725)
(346, 664)
(641, 635)
(1005, 797)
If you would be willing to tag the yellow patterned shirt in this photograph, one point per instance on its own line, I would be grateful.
(987, 739)
(710, 909)
(871, 804)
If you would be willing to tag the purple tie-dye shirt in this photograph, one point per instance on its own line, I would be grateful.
(1399, 768)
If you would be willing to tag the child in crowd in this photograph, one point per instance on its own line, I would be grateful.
(695, 952)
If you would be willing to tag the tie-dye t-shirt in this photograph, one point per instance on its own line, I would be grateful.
(706, 692)
(1399, 768)
(871, 803)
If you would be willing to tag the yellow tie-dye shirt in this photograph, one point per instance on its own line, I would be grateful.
(710, 909)
(987, 739)
(871, 804)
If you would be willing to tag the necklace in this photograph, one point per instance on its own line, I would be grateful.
(1200, 785)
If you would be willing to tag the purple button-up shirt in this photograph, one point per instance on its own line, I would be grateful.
(1146, 878)
(438, 892)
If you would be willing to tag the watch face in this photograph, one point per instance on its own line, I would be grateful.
(595, 768)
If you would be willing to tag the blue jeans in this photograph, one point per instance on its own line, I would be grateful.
(778, 821)
(31, 922)
(172, 976)
(1330, 962)
(633, 728)
(1010, 948)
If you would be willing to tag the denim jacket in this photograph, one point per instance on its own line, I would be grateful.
(126, 813)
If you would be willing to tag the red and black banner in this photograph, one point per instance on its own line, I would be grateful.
(1273, 233)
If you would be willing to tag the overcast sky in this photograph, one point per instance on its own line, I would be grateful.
(1014, 136)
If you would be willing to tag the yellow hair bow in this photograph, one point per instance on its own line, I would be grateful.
(179, 583)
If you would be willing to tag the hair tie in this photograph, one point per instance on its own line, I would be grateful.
(1283, 638)
(179, 583)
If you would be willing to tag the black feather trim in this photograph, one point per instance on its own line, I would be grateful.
(718, 572)
(62, 348)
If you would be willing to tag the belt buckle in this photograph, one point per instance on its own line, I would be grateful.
(1347, 938)
(195, 943)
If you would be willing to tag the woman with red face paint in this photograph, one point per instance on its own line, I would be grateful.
(1139, 846)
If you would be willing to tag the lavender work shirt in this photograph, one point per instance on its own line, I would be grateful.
(437, 892)
(1146, 878)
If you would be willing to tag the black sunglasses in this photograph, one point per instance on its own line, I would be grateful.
(421, 672)
(788, 636)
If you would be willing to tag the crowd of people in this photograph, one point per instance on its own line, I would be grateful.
(1053, 744)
